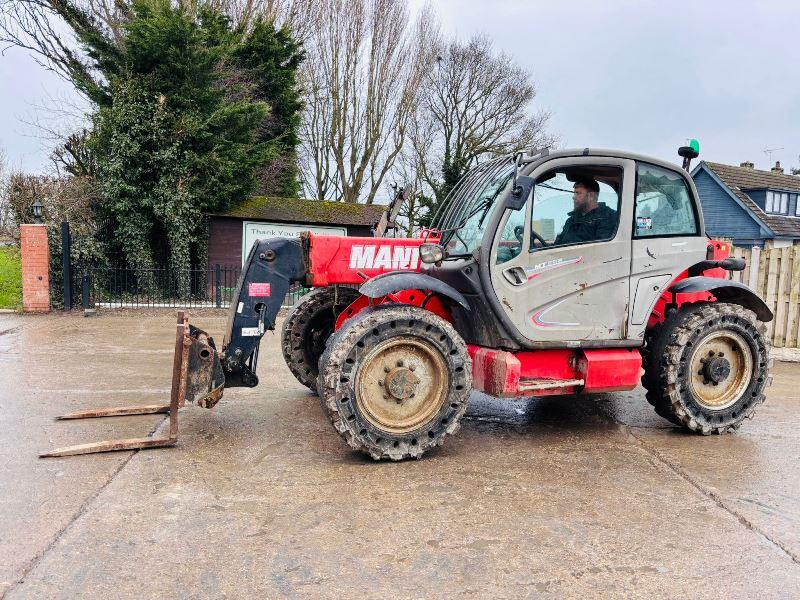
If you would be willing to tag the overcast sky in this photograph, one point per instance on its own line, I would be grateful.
(642, 75)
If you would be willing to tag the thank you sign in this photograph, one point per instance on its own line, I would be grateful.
(256, 230)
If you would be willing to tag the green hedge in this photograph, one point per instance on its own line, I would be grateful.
(10, 278)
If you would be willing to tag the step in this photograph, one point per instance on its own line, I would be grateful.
(530, 385)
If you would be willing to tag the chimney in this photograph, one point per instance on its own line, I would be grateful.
(777, 168)
(747, 165)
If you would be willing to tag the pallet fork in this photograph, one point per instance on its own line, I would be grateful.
(197, 376)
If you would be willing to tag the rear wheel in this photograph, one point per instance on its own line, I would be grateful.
(706, 367)
(307, 328)
(395, 381)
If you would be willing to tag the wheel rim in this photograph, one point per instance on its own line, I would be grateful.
(401, 384)
(722, 367)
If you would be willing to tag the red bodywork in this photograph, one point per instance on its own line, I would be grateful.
(419, 298)
(352, 260)
(549, 372)
(347, 260)
(717, 250)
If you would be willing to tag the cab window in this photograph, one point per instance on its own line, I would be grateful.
(664, 205)
(510, 244)
(575, 205)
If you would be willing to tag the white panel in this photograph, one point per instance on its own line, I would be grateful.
(252, 231)
(648, 289)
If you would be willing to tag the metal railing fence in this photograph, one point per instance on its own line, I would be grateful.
(123, 287)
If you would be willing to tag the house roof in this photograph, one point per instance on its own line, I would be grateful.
(738, 179)
(292, 210)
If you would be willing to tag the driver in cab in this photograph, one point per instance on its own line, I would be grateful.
(590, 220)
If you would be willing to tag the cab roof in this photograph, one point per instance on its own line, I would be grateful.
(536, 155)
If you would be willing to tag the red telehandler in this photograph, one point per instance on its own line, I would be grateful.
(568, 272)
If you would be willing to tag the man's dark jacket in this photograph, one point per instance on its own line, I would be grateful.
(597, 224)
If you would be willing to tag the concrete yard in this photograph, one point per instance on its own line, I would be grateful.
(545, 498)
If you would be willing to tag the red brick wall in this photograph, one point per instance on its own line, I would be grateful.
(35, 268)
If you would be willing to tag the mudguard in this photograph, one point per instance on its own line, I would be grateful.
(726, 291)
(389, 283)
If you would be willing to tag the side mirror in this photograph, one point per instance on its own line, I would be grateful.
(519, 193)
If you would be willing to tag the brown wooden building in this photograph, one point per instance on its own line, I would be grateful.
(231, 234)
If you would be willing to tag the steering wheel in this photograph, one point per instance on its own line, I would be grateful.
(519, 230)
(538, 237)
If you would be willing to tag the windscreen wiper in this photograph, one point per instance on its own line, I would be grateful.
(552, 187)
(452, 231)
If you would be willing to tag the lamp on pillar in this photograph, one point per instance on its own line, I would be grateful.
(38, 209)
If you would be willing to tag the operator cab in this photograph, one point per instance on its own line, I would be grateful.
(580, 259)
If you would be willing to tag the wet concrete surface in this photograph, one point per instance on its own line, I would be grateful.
(533, 498)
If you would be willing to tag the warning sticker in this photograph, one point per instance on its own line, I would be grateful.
(258, 290)
(250, 331)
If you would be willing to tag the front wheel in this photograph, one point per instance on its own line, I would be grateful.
(395, 381)
(708, 368)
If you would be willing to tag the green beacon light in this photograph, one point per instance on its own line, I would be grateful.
(689, 152)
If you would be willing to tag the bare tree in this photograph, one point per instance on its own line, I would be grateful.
(475, 104)
(37, 26)
(6, 215)
(414, 208)
(63, 198)
(376, 85)
(410, 215)
(298, 15)
(364, 66)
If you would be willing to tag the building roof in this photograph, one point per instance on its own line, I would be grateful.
(738, 179)
(292, 210)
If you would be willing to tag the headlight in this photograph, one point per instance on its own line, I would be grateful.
(431, 253)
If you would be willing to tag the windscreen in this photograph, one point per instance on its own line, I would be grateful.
(464, 215)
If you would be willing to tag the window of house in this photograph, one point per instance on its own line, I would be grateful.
(777, 203)
(663, 204)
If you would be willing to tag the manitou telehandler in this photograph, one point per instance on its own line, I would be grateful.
(569, 272)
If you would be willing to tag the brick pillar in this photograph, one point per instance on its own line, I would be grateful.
(35, 268)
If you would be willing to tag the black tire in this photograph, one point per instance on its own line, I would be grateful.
(353, 395)
(307, 328)
(652, 351)
(685, 367)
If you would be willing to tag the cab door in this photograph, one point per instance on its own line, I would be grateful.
(667, 238)
(558, 289)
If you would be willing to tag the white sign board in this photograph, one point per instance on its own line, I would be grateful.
(253, 231)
